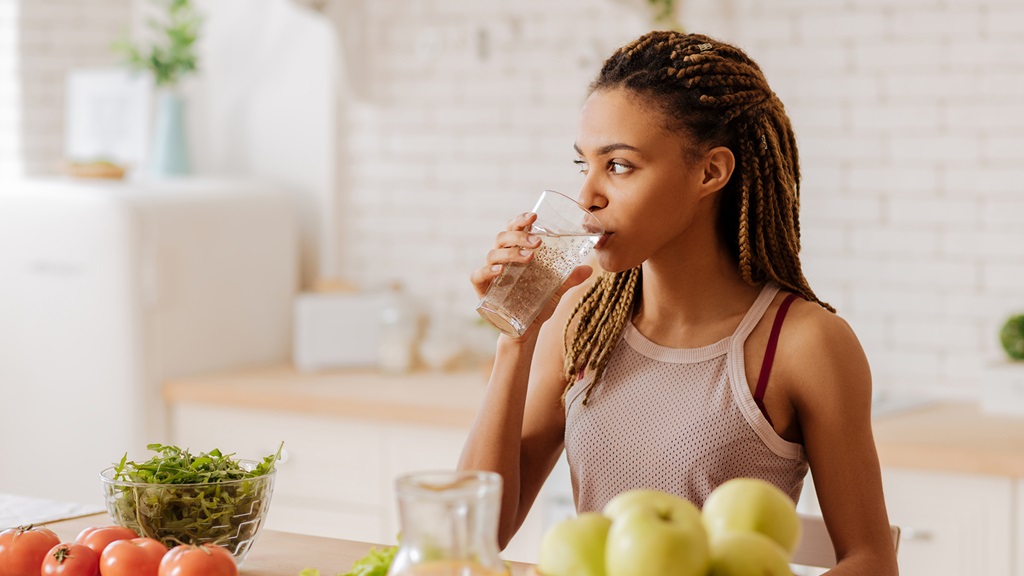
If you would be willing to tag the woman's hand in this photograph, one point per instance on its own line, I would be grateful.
(515, 245)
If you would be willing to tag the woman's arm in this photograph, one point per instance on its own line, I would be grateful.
(830, 383)
(519, 429)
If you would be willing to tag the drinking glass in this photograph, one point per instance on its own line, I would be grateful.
(568, 232)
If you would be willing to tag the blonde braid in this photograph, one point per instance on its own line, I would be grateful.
(602, 313)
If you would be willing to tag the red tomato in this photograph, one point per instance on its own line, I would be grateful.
(22, 550)
(135, 557)
(71, 560)
(98, 537)
(205, 560)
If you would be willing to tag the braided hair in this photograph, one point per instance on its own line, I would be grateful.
(717, 96)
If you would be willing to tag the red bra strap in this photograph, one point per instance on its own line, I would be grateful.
(769, 354)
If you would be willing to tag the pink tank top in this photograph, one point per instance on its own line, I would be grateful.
(678, 420)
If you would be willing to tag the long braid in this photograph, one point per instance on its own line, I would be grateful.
(717, 96)
(601, 315)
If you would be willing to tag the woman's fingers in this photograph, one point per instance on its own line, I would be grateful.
(482, 278)
(496, 260)
(514, 245)
(512, 254)
(520, 238)
(522, 221)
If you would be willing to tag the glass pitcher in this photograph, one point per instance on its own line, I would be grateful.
(449, 524)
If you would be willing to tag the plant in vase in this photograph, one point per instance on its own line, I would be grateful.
(169, 57)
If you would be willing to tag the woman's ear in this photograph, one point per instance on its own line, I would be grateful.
(718, 166)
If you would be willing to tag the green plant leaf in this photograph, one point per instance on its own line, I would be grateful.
(172, 55)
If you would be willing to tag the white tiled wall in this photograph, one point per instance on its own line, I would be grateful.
(910, 117)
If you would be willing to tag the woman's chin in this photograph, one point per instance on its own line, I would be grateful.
(608, 262)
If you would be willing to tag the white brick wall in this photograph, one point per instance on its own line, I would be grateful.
(910, 117)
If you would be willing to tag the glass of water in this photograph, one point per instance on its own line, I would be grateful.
(568, 232)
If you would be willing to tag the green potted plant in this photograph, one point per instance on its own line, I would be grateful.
(169, 57)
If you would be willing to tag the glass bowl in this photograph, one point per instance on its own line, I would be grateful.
(228, 513)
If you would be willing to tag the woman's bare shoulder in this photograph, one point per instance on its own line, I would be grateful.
(823, 357)
(813, 323)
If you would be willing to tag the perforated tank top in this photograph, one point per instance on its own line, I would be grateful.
(678, 420)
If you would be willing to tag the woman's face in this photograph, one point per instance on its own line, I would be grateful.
(637, 178)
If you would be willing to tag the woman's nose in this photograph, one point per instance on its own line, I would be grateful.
(590, 196)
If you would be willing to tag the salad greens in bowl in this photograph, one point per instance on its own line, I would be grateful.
(178, 498)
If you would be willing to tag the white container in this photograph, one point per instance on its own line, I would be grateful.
(338, 330)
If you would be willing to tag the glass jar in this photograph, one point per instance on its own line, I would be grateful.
(449, 524)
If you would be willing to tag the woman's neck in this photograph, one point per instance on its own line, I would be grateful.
(692, 297)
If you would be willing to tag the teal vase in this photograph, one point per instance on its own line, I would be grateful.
(170, 149)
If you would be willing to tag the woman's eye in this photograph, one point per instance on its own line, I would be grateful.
(581, 165)
(619, 167)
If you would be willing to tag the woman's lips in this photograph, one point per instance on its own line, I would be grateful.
(602, 240)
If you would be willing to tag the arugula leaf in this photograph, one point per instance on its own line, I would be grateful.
(376, 563)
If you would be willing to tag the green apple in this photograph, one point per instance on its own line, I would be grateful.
(575, 546)
(654, 533)
(752, 505)
(663, 501)
(748, 554)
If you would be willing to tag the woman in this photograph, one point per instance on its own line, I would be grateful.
(701, 353)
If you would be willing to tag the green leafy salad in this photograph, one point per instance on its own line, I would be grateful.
(179, 498)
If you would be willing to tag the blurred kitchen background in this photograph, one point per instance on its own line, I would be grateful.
(349, 162)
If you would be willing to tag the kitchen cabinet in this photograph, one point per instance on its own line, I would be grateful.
(952, 523)
(347, 436)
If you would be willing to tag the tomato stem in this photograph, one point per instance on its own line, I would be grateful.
(62, 554)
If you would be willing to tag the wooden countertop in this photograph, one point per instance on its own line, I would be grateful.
(432, 398)
(274, 553)
(955, 437)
